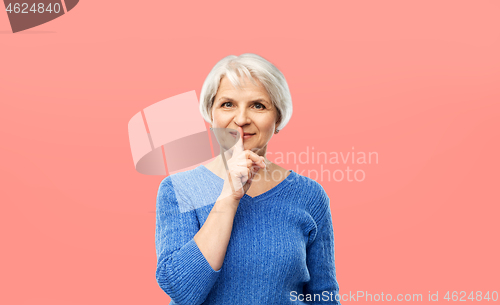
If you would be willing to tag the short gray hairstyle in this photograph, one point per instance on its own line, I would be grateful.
(253, 66)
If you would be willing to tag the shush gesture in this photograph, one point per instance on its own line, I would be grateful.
(241, 167)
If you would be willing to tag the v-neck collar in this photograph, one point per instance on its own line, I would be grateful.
(287, 181)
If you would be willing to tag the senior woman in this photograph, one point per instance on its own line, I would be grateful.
(242, 229)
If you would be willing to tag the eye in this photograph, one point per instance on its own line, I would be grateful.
(261, 106)
(223, 104)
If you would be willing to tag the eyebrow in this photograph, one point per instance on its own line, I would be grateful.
(260, 100)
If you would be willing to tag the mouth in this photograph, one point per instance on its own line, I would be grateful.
(246, 135)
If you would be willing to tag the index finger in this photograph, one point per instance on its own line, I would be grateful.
(238, 147)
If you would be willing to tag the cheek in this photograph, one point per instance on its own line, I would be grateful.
(221, 118)
(268, 126)
(266, 131)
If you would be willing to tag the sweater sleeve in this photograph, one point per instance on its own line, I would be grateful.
(320, 257)
(182, 271)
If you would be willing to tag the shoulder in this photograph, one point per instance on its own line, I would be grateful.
(188, 190)
(173, 188)
(313, 188)
(317, 200)
(180, 180)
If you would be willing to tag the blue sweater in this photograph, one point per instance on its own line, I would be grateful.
(281, 248)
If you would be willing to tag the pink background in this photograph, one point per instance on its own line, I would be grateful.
(415, 81)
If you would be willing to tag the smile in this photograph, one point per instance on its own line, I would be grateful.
(245, 135)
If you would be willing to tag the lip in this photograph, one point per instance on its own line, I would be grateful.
(245, 135)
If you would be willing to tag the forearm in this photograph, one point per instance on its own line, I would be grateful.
(213, 237)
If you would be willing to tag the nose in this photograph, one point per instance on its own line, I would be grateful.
(242, 118)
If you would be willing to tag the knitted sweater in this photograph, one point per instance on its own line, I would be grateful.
(281, 249)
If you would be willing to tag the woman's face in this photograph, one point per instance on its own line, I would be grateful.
(250, 108)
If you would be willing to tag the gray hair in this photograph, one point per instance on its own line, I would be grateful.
(253, 66)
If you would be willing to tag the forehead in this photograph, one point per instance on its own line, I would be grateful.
(247, 91)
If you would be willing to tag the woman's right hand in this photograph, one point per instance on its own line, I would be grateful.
(243, 165)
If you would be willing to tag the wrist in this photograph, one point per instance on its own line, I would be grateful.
(226, 204)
